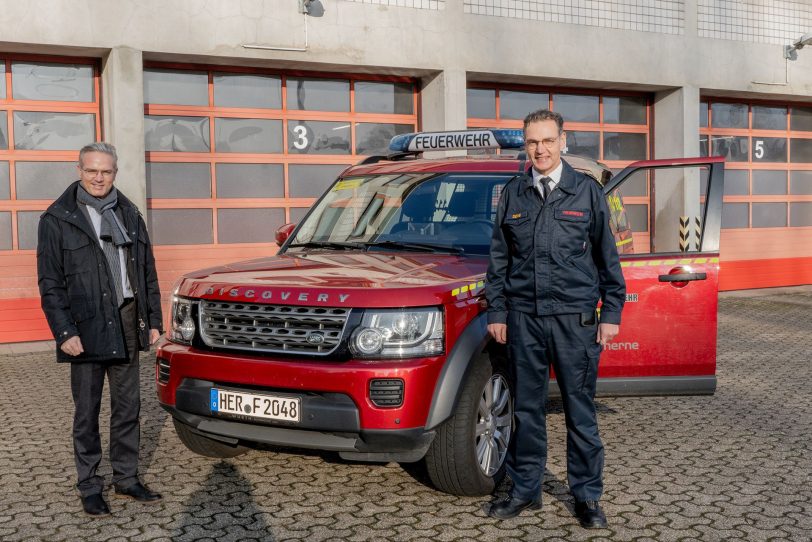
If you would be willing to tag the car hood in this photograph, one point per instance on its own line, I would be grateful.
(347, 278)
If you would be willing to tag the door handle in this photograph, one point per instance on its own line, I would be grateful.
(683, 277)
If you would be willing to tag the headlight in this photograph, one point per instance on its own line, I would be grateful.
(183, 325)
(399, 333)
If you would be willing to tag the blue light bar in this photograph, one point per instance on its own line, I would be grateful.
(457, 140)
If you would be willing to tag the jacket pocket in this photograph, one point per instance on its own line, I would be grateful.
(81, 308)
(519, 230)
(572, 232)
(77, 254)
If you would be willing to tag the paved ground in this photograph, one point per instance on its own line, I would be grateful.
(733, 466)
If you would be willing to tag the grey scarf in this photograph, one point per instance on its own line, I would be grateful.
(112, 233)
(112, 230)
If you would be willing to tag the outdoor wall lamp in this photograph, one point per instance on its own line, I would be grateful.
(791, 51)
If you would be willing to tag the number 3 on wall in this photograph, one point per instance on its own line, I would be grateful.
(301, 141)
(758, 149)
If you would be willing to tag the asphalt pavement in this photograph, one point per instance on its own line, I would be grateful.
(733, 466)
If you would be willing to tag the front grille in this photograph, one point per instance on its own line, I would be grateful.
(163, 370)
(283, 329)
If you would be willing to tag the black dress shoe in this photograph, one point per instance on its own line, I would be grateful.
(139, 492)
(511, 507)
(590, 515)
(94, 505)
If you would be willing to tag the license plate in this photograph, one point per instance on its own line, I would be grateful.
(266, 407)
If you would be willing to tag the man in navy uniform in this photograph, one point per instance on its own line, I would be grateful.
(99, 291)
(553, 257)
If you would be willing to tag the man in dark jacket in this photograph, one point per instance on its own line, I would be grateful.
(553, 257)
(99, 291)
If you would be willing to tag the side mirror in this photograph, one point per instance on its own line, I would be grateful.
(283, 233)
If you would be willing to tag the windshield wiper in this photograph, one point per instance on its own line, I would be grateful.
(328, 244)
(417, 247)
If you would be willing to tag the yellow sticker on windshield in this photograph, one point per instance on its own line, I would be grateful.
(347, 184)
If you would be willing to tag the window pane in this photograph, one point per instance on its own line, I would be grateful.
(248, 135)
(250, 181)
(729, 115)
(318, 94)
(178, 180)
(180, 226)
(801, 151)
(311, 181)
(53, 82)
(624, 110)
(766, 182)
(317, 137)
(769, 149)
(50, 131)
(769, 118)
(623, 146)
(703, 145)
(5, 231)
(176, 87)
(481, 103)
(248, 225)
(27, 225)
(297, 214)
(769, 215)
(584, 144)
(176, 134)
(248, 91)
(374, 97)
(736, 182)
(373, 138)
(2, 79)
(703, 114)
(5, 191)
(636, 184)
(43, 180)
(638, 216)
(800, 214)
(734, 148)
(576, 108)
(800, 182)
(801, 119)
(516, 105)
(3, 130)
(735, 215)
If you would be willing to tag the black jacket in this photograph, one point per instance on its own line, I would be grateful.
(74, 280)
(556, 258)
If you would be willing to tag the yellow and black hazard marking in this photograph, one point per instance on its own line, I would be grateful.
(675, 261)
(697, 232)
(684, 234)
(468, 290)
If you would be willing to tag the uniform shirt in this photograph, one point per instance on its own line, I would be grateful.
(555, 177)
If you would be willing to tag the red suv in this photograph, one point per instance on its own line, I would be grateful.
(365, 334)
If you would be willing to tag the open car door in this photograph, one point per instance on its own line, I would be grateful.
(670, 260)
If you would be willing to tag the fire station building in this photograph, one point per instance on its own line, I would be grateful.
(232, 116)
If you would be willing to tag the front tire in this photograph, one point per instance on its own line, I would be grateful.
(467, 456)
(205, 446)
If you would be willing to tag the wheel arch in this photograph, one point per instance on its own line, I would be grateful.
(473, 343)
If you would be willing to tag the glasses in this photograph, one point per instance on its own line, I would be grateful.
(548, 143)
(95, 172)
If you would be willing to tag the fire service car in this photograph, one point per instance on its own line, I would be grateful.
(366, 333)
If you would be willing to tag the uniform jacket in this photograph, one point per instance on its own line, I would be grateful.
(555, 258)
(74, 280)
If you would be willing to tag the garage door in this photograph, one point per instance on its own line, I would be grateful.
(49, 109)
(234, 154)
(767, 213)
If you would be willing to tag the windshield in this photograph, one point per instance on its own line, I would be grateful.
(424, 212)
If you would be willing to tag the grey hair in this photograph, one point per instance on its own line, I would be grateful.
(542, 115)
(100, 146)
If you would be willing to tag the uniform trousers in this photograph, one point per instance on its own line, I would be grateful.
(87, 383)
(567, 343)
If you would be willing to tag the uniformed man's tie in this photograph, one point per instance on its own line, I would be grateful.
(544, 187)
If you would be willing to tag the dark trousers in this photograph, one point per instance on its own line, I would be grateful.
(87, 382)
(534, 344)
